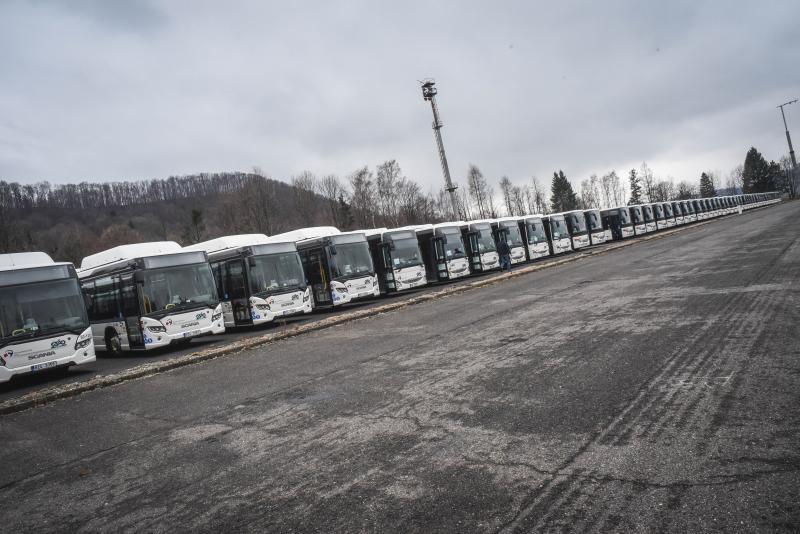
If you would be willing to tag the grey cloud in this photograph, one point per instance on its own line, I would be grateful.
(120, 90)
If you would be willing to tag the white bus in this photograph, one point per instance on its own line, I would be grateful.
(509, 228)
(337, 265)
(454, 249)
(43, 322)
(555, 226)
(538, 244)
(576, 224)
(659, 215)
(149, 295)
(397, 258)
(617, 223)
(443, 251)
(258, 279)
(481, 246)
(594, 225)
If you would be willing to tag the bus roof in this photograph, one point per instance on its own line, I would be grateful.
(303, 234)
(128, 252)
(24, 260)
(229, 242)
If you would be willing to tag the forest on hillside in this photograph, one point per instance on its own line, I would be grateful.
(70, 221)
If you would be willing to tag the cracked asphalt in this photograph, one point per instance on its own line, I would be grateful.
(654, 387)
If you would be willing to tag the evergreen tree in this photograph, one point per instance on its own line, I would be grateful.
(755, 173)
(707, 186)
(636, 188)
(562, 196)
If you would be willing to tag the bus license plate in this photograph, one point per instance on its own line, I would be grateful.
(45, 365)
(191, 333)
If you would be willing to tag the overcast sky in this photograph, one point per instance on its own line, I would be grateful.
(104, 90)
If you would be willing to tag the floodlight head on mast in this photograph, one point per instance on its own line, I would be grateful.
(428, 88)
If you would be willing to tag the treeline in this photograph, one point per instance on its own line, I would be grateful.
(70, 221)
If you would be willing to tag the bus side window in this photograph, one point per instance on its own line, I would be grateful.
(103, 299)
(216, 269)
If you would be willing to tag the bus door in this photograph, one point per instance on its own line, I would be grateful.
(474, 252)
(236, 291)
(131, 312)
(440, 257)
(316, 268)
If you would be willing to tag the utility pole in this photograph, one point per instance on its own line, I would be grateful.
(788, 137)
(429, 94)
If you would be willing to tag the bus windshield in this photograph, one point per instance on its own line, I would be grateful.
(648, 213)
(624, 217)
(513, 237)
(351, 259)
(182, 286)
(454, 248)
(594, 220)
(485, 241)
(405, 253)
(536, 233)
(41, 308)
(559, 229)
(578, 223)
(276, 272)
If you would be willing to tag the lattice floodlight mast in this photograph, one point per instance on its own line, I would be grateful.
(429, 94)
(788, 137)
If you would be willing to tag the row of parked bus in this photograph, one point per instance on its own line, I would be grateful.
(148, 295)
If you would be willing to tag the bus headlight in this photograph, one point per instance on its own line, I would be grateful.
(306, 296)
(216, 316)
(262, 307)
(159, 329)
(82, 344)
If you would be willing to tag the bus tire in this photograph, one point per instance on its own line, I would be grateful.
(113, 342)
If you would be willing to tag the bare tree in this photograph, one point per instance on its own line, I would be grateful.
(734, 181)
(648, 181)
(539, 197)
(686, 191)
(305, 186)
(505, 191)
(791, 176)
(588, 199)
(332, 190)
(607, 186)
(478, 191)
(362, 199)
(518, 199)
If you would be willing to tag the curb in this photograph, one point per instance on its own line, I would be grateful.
(44, 396)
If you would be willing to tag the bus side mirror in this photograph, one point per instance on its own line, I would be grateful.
(87, 300)
(391, 245)
(251, 262)
(333, 249)
(138, 277)
(443, 239)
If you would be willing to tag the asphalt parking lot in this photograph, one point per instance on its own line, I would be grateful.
(654, 387)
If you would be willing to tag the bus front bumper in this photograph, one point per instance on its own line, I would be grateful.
(79, 357)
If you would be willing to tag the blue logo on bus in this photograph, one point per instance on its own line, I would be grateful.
(201, 315)
(58, 343)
